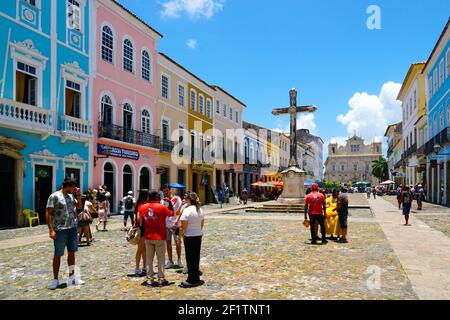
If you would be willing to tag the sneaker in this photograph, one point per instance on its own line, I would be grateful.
(169, 265)
(143, 272)
(137, 272)
(151, 282)
(54, 284)
(180, 264)
(75, 281)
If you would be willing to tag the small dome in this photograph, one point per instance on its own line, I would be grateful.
(376, 140)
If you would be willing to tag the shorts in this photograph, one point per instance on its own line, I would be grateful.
(128, 214)
(406, 209)
(343, 220)
(66, 238)
(172, 234)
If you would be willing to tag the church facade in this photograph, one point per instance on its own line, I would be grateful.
(353, 162)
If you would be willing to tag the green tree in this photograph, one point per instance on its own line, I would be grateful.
(380, 168)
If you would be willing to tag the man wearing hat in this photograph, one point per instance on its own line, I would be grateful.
(316, 206)
(128, 203)
(420, 196)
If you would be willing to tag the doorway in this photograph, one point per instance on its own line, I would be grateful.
(43, 188)
(144, 179)
(195, 182)
(7, 184)
(127, 180)
(108, 181)
(207, 181)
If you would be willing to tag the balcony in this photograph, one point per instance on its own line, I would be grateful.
(441, 138)
(75, 129)
(16, 115)
(119, 133)
(410, 151)
(166, 146)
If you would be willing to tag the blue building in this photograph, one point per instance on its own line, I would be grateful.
(253, 149)
(437, 72)
(45, 119)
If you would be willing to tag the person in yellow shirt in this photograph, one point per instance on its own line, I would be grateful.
(332, 220)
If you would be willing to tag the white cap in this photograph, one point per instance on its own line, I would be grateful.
(130, 193)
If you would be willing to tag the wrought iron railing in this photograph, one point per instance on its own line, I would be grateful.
(119, 133)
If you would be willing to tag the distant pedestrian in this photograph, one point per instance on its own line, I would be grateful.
(61, 221)
(153, 224)
(398, 193)
(85, 219)
(315, 204)
(342, 210)
(172, 231)
(129, 203)
(368, 192)
(221, 198)
(244, 196)
(140, 251)
(102, 203)
(191, 231)
(374, 192)
(406, 199)
(420, 196)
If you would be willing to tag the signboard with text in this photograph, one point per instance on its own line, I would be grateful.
(118, 152)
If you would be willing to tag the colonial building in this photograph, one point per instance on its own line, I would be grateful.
(316, 146)
(45, 119)
(228, 115)
(437, 73)
(124, 101)
(412, 95)
(394, 135)
(352, 162)
(172, 119)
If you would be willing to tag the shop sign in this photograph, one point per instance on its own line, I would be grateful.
(161, 170)
(117, 152)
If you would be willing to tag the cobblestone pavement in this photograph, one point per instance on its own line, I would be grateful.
(241, 259)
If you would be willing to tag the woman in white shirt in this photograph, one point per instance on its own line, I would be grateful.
(191, 230)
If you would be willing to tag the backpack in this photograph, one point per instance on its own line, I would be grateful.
(129, 203)
(406, 197)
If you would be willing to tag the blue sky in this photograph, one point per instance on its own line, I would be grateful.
(258, 50)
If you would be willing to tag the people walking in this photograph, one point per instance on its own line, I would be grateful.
(102, 203)
(332, 220)
(85, 219)
(61, 222)
(368, 192)
(172, 231)
(129, 203)
(244, 196)
(140, 251)
(406, 199)
(398, 193)
(374, 192)
(153, 224)
(315, 204)
(342, 210)
(420, 196)
(191, 231)
(221, 197)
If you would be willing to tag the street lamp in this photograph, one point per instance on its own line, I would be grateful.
(437, 148)
(107, 152)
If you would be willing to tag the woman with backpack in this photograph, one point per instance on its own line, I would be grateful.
(191, 230)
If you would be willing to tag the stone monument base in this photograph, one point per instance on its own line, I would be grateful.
(294, 186)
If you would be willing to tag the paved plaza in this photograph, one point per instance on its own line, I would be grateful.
(255, 256)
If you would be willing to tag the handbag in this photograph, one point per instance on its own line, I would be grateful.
(306, 223)
(85, 217)
(133, 236)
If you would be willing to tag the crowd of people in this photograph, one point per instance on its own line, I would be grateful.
(157, 219)
(406, 196)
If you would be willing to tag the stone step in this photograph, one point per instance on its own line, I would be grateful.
(263, 210)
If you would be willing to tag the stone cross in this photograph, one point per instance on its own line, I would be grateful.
(293, 110)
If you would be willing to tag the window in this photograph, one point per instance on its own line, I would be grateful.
(410, 106)
(201, 104)
(193, 97)
(355, 167)
(127, 117)
(26, 84)
(237, 117)
(231, 114)
(208, 108)
(146, 66)
(73, 99)
(225, 111)
(441, 72)
(165, 130)
(430, 88)
(146, 122)
(107, 110)
(128, 56)
(73, 15)
(415, 99)
(164, 86)
(334, 168)
(342, 167)
(448, 62)
(32, 2)
(107, 44)
(435, 76)
(181, 95)
(441, 120)
(217, 106)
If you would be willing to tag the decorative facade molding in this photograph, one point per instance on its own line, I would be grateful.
(43, 153)
(27, 49)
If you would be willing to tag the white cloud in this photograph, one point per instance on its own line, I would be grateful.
(192, 44)
(369, 115)
(304, 121)
(193, 8)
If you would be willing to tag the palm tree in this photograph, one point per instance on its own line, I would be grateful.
(380, 168)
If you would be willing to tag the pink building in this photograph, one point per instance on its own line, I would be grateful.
(123, 65)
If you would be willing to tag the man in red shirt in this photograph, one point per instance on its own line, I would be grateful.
(316, 206)
(153, 227)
